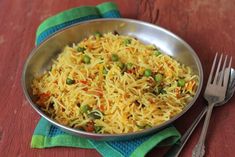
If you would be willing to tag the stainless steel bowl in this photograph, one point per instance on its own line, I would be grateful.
(40, 59)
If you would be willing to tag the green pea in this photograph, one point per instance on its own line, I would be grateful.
(121, 65)
(86, 59)
(181, 82)
(129, 66)
(158, 78)
(157, 53)
(70, 81)
(85, 108)
(81, 49)
(147, 72)
(98, 34)
(115, 57)
(126, 41)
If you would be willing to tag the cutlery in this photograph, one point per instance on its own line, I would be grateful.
(175, 150)
(214, 93)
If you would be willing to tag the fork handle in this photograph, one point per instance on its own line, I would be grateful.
(199, 149)
(176, 149)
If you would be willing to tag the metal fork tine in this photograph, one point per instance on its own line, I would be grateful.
(227, 71)
(212, 70)
(222, 71)
(217, 70)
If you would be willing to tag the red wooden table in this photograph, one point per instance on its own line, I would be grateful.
(208, 26)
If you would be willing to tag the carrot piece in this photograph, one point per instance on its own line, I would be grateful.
(83, 82)
(102, 108)
(43, 97)
(90, 127)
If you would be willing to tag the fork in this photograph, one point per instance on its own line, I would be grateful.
(214, 93)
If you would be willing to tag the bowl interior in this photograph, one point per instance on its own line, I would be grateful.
(40, 58)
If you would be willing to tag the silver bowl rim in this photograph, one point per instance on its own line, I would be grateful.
(103, 136)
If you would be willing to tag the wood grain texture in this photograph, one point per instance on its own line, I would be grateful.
(208, 26)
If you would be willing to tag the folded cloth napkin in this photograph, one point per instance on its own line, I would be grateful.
(47, 135)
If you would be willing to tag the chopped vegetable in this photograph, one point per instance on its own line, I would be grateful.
(181, 82)
(90, 127)
(115, 32)
(158, 78)
(162, 91)
(131, 71)
(70, 81)
(148, 126)
(153, 47)
(144, 126)
(81, 49)
(147, 72)
(98, 128)
(159, 90)
(51, 105)
(85, 108)
(121, 65)
(101, 68)
(95, 114)
(105, 71)
(98, 34)
(115, 57)
(157, 52)
(156, 90)
(86, 59)
(99, 93)
(79, 127)
(126, 41)
(83, 82)
(102, 108)
(43, 97)
(140, 126)
(129, 66)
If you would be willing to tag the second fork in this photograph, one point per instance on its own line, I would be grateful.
(214, 93)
